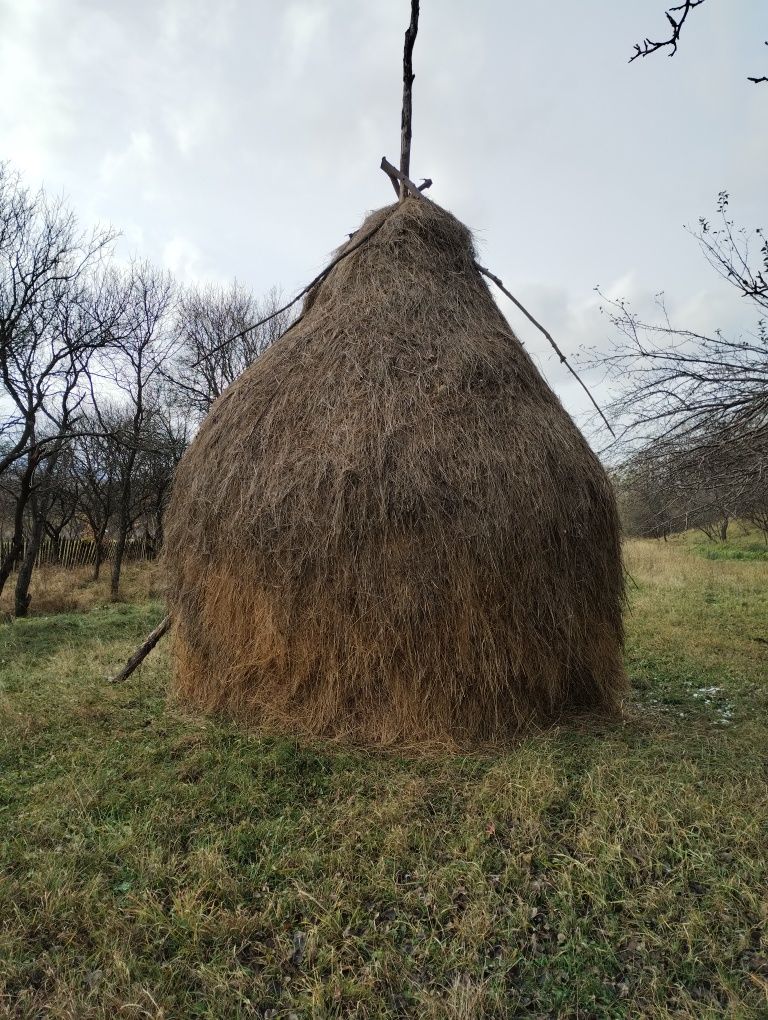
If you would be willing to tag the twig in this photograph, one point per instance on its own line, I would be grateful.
(538, 325)
(408, 76)
(649, 47)
(141, 652)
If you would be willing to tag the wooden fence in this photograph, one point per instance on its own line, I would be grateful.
(81, 552)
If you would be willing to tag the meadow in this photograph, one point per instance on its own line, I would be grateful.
(157, 864)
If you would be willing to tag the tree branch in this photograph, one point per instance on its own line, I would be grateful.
(647, 47)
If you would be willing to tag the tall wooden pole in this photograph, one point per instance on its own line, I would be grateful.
(408, 76)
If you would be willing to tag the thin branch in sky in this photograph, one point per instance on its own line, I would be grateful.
(647, 47)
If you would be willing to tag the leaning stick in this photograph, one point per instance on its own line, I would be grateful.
(538, 325)
(141, 652)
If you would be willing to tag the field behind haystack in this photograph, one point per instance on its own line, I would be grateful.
(154, 864)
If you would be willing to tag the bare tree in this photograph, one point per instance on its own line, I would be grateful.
(50, 446)
(44, 257)
(755, 508)
(647, 497)
(695, 406)
(52, 320)
(685, 389)
(167, 436)
(95, 471)
(63, 503)
(669, 489)
(215, 343)
(69, 334)
(141, 346)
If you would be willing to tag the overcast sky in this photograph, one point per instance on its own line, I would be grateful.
(241, 138)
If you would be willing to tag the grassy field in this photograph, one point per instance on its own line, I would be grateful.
(156, 865)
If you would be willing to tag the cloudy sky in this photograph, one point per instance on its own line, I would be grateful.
(242, 138)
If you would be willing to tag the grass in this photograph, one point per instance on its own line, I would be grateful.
(745, 542)
(54, 590)
(158, 865)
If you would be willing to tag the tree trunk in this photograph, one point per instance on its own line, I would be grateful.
(724, 528)
(22, 597)
(125, 520)
(157, 544)
(9, 560)
(117, 563)
(97, 559)
(17, 541)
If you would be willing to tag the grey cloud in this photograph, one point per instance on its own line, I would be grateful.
(243, 138)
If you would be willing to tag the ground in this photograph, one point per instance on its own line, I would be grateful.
(154, 864)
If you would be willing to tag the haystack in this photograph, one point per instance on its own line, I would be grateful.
(389, 529)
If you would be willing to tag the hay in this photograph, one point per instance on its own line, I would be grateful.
(388, 529)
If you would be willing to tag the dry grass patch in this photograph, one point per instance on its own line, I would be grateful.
(59, 590)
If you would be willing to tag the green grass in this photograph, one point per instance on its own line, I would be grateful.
(745, 542)
(154, 864)
(727, 551)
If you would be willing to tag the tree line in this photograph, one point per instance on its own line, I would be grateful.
(694, 406)
(106, 368)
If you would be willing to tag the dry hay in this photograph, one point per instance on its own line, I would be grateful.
(388, 529)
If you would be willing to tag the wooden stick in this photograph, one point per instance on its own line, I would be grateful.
(142, 652)
(406, 118)
(399, 180)
(392, 173)
(538, 325)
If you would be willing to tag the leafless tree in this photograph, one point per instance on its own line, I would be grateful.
(206, 359)
(53, 317)
(142, 344)
(679, 387)
(694, 407)
(104, 374)
(755, 508)
(63, 503)
(664, 490)
(168, 438)
(95, 472)
(75, 332)
(42, 463)
(44, 259)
